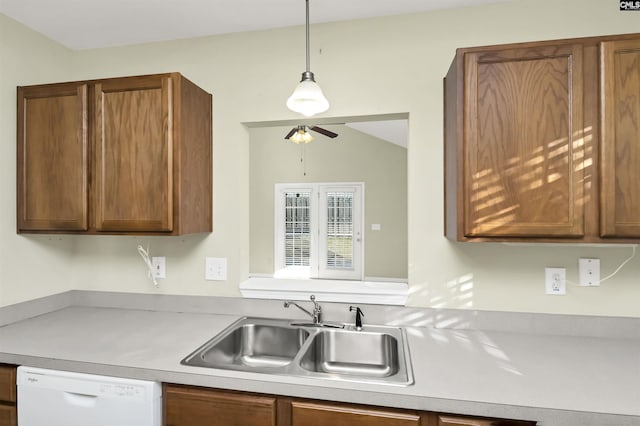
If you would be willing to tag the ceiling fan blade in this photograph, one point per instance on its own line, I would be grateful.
(295, 129)
(325, 132)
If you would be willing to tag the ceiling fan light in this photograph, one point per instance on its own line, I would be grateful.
(301, 135)
(308, 99)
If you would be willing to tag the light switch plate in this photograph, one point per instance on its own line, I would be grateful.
(215, 268)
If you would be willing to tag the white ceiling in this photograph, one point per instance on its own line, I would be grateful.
(85, 24)
(394, 131)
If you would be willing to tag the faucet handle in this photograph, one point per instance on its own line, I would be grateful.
(357, 309)
(316, 305)
(317, 310)
(359, 316)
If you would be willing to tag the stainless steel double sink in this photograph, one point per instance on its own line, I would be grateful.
(376, 354)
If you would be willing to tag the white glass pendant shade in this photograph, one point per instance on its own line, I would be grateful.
(308, 99)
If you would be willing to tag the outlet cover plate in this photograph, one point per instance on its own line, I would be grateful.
(159, 267)
(555, 280)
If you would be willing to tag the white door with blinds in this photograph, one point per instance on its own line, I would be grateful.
(318, 230)
(340, 233)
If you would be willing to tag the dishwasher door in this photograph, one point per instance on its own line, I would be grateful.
(60, 398)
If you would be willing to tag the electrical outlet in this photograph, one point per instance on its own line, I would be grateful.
(215, 268)
(159, 267)
(555, 281)
(589, 272)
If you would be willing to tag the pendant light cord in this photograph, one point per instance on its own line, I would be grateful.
(308, 48)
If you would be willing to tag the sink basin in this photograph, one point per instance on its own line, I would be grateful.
(366, 354)
(377, 354)
(251, 345)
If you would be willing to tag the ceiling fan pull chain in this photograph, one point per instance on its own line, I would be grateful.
(304, 164)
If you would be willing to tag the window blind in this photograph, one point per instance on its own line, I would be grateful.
(339, 230)
(297, 228)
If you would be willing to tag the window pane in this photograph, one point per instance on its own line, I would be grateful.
(339, 230)
(297, 241)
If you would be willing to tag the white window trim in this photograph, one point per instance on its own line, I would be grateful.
(384, 292)
(280, 271)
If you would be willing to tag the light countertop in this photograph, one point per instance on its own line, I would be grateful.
(555, 380)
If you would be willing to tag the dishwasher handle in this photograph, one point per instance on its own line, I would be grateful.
(80, 399)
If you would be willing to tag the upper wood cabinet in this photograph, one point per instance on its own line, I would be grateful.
(620, 138)
(53, 159)
(130, 155)
(523, 121)
(542, 141)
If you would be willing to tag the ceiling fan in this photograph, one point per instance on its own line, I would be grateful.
(301, 133)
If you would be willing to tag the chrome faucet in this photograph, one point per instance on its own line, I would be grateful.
(316, 315)
(359, 316)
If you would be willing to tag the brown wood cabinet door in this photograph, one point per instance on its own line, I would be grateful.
(452, 420)
(620, 139)
(323, 414)
(445, 420)
(8, 384)
(189, 406)
(134, 154)
(53, 158)
(8, 415)
(523, 127)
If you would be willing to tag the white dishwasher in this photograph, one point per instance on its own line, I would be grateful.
(61, 398)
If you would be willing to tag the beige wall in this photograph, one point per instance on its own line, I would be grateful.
(366, 67)
(42, 265)
(352, 157)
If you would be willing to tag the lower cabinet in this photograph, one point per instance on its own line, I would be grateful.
(7, 415)
(436, 419)
(8, 412)
(294, 412)
(194, 406)
(191, 406)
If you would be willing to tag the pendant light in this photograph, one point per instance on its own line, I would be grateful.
(307, 98)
